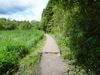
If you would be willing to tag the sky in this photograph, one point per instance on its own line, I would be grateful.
(22, 9)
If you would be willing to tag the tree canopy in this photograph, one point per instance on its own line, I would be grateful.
(79, 20)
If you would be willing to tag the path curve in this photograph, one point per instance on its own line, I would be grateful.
(50, 63)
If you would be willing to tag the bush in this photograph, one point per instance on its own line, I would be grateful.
(8, 61)
(22, 50)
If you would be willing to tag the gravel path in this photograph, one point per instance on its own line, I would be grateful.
(50, 63)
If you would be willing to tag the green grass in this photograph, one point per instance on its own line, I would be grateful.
(28, 65)
(63, 43)
(14, 45)
(68, 56)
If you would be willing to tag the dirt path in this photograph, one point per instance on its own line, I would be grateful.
(50, 63)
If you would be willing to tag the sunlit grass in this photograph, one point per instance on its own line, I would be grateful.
(29, 64)
(14, 45)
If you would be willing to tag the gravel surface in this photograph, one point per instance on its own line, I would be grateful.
(50, 63)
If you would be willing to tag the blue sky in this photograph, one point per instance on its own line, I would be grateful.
(22, 9)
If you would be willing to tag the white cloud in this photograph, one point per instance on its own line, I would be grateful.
(21, 17)
(26, 11)
(9, 8)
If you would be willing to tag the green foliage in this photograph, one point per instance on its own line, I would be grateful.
(35, 24)
(24, 25)
(22, 50)
(14, 45)
(77, 21)
(6, 24)
(33, 58)
(8, 61)
(27, 68)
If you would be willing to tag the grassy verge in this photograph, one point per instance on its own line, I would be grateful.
(68, 56)
(29, 64)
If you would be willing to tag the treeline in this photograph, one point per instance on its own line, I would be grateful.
(78, 24)
(7, 24)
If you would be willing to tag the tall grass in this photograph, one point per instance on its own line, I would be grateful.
(31, 67)
(14, 45)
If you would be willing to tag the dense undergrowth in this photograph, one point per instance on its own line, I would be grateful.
(68, 56)
(76, 24)
(14, 45)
